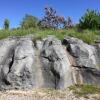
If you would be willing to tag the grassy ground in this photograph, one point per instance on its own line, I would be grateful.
(83, 90)
(51, 94)
(35, 94)
(88, 36)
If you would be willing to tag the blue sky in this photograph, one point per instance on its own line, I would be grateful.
(15, 10)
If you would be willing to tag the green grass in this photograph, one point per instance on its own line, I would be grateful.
(88, 36)
(83, 90)
(19, 32)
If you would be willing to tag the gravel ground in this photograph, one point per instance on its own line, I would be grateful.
(44, 95)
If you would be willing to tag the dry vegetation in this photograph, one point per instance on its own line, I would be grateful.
(48, 94)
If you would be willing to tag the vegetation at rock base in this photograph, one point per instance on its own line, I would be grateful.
(83, 90)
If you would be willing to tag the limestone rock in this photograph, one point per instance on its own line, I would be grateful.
(26, 63)
(87, 69)
(56, 63)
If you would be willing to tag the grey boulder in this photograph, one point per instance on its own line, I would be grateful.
(87, 58)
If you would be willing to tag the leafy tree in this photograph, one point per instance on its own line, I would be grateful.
(51, 19)
(68, 23)
(59, 21)
(90, 20)
(6, 24)
(97, 18)
(29, 21)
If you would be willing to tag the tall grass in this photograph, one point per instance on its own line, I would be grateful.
(16, 32)
(88, 36)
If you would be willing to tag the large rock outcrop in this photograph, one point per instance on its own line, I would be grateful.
(56, 63)
(49, 63)
(87, 58)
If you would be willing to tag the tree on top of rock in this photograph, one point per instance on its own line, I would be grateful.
(68, 23)
(29, 21)
(6, 24)
(51, 19)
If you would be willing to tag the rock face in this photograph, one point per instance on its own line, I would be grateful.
(56, 64)
(49, 63)
(17, 59)
(87, 68)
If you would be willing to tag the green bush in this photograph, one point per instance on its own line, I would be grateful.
(91, 20)
(6, 24)
(29, 21)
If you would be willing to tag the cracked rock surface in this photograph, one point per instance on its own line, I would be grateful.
(47, 63)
